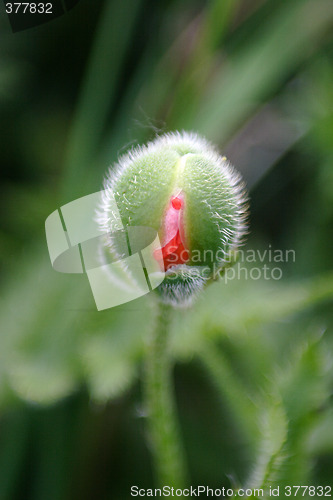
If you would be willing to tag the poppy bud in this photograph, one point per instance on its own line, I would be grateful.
(182, 188)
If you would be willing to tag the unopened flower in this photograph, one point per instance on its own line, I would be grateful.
(182, 188)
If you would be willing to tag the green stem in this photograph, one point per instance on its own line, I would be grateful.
(162, 423)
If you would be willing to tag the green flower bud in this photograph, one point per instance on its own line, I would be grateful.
(182, 188)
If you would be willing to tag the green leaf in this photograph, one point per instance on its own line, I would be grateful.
(304, 387)
(37, 346)
(238, 305)
(243, 409)
(274, 429)
(109, 354)
(277, 48)
(303, 384)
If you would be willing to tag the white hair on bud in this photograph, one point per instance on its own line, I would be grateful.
(182, 293)
(229, 197)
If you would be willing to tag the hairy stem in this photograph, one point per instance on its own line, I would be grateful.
(162, 423)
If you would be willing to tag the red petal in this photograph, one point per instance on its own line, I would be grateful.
(173, 253)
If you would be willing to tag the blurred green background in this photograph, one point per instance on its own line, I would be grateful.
(254, 358)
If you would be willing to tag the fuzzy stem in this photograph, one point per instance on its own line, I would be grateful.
(162, 423)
